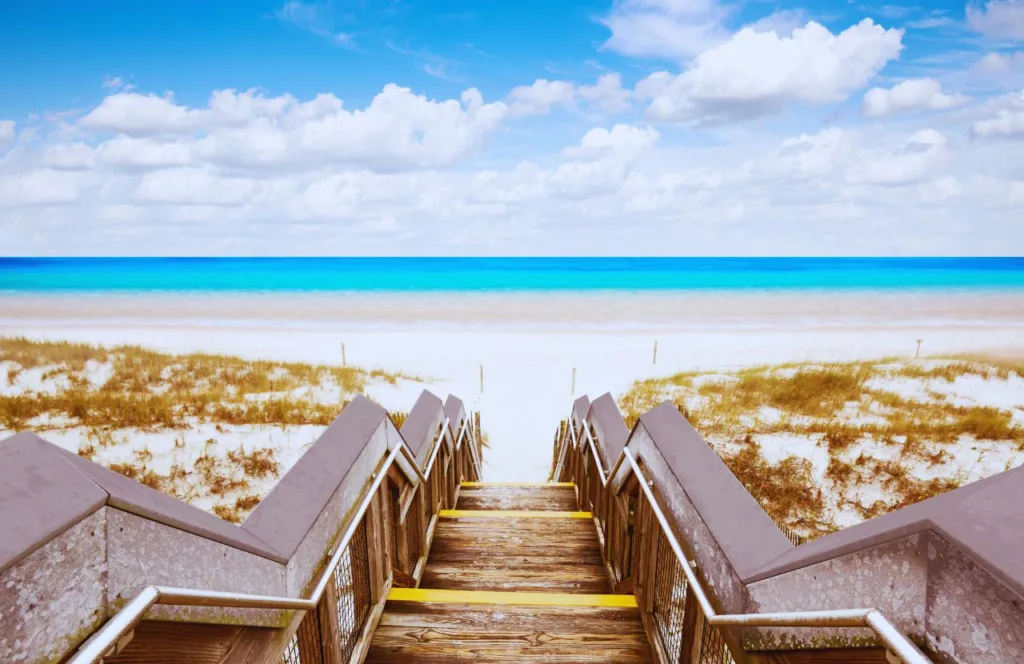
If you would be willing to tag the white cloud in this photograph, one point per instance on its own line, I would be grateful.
(1002, 19)
(759, 73)
(782, 22)
(68, 157)
(193, 186)
(672, 29)
(141, 115)
(257, 174)
(622, 140)
(6, 132)
(921, 94)
(1005, 118)
(38, 187)
(917, 159)
(398, 129)
(540, 97)
(607, 93)
(851, 158)
(314, 17)
(1000, 63)
(143, 153)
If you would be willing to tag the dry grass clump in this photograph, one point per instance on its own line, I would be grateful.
(846, 408)
(153, 391)
(258, 464)
(785, 490)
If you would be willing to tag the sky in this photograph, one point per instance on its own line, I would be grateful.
(459, 127)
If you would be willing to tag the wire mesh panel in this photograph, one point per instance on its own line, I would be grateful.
(291, 652)
(306, 646)
(669, 598)
(352, 588)
(712, 646)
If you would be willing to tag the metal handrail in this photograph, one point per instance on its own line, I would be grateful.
(892, 637)
(100, 643)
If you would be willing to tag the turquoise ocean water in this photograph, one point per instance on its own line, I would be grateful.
(41, 275)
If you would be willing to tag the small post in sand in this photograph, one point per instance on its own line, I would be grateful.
(655, 360)
(481, 379)
(573, 392)
(917, 353)
(343, 354)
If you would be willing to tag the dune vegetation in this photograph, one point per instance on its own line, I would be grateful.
(216, 431)
(824, 446)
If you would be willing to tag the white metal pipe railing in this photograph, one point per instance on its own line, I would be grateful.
(107, 637)
(889, 635)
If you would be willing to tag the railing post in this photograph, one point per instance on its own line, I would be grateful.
(330, 634)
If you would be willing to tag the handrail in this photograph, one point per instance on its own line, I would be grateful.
(437, 447)
(474, 453)
(892, 637)
(100, 643)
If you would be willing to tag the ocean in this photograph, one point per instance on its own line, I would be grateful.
(213, 275)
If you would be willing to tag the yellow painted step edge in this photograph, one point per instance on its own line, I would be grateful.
(539, 485)
(513, 514)
(429, 596)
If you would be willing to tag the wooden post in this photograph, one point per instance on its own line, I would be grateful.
(343, 363)
(655, 360)
(917, 353)
(573, 392)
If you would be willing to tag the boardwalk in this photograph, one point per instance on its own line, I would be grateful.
(514, 575)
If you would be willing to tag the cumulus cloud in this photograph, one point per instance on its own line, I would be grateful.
(607, 93)
(38, 187)
(759, 73)
(398, 129)
(1003, 19)
(852, 158)
(540, 97)
(622, 140)
(6, 132)
(921, 94)
(671, 29)
(1005, 118)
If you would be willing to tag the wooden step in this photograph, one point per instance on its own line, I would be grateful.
(426, 632)
(552, 497)
(517, 553)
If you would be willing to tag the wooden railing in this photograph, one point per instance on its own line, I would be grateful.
(643, 556)
(384, 544)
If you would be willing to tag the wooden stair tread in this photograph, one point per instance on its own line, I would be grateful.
(475, 633)
(553, 498)
(554, 555)
(511, 554)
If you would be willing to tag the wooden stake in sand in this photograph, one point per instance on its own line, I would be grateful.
(917, 353)
(481, 379)
(573, 392)
(343, 354)
(655, 360)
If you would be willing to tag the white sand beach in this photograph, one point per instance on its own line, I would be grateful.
(530, 346)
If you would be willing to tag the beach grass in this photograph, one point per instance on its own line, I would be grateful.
(890, 430)
(108, 398)
(131, 387)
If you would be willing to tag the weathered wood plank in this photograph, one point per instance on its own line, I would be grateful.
(436, 633)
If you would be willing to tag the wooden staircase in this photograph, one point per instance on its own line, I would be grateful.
(514, 575)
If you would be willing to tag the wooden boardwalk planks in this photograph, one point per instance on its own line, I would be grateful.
(475, 556)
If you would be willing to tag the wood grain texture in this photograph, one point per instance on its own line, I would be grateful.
(519, 555)
(410, 632)
(158, 642)
(535, 498)
(536, 555)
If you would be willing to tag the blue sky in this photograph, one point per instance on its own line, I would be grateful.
(460, 127)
